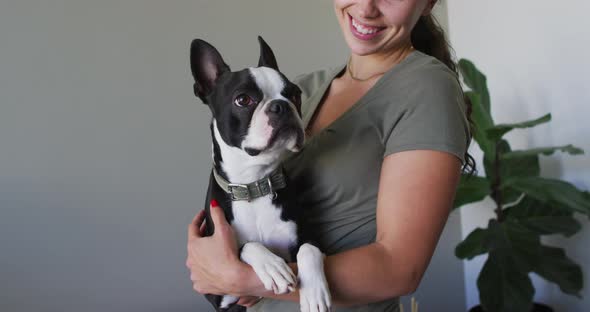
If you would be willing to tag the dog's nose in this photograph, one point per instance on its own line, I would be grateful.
(277, 107)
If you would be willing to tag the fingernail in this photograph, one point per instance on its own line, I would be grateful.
(214, 203)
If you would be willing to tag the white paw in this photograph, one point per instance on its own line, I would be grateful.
(271, 269)
(227, 300)
(314, 296)
(314, 293)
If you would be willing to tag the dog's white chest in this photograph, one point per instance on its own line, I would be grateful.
(260, 221)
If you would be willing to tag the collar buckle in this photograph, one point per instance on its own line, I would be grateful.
(245, 191)
(265, 186)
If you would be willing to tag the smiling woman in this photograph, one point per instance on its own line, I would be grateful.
(387, 135)
(381, 27)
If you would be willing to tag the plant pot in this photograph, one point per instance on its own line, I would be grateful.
(537, 307)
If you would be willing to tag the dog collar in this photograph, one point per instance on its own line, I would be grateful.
(265, 186)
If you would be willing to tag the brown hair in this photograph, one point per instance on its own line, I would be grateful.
(429, 38)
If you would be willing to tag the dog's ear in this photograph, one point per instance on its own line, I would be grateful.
(267, 58)
(206, 65)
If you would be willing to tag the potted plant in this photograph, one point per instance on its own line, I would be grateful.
(527, 206)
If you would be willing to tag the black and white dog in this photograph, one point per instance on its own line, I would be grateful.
(256, 121)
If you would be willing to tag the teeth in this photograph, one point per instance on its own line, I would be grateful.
(363, 30)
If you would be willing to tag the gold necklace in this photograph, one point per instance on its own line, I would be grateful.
(370, 77)
(359, 79)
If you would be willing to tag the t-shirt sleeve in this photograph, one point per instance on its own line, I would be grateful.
(431, 115)
(309, 82)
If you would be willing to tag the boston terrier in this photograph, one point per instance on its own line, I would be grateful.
(256, 122)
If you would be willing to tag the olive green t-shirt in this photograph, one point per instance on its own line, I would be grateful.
(418, 104)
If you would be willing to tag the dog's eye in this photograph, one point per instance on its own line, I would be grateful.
(243, 100)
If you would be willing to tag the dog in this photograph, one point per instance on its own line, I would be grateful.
(256, 122)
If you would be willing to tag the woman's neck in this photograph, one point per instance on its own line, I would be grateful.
(364, 66)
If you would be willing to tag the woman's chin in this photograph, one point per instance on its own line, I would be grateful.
(360, 48)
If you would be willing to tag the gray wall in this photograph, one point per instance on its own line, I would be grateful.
(105, 152)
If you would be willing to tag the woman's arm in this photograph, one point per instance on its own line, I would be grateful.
(416, 191)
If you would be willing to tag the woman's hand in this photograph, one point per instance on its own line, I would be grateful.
(213, 261)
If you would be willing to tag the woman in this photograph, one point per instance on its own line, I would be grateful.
(386, 137)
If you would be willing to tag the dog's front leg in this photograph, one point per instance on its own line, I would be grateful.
(314, 293)
(271, 269)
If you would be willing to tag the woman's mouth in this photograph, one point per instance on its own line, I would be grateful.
(362, 31)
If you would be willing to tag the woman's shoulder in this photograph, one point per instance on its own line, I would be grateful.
(424, 108)
(421, 80)
(423, 87)
(421, 71)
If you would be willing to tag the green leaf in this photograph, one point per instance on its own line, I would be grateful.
(496, 132)
(497, 236)
(476, 81)
(471, 189)
(514, 167)
(503, 288)
(503, 283)
(543, 218)
(546, 225)
(556, 267)
(570, 149)
(500, 147)
(524, 166)
(557, 192)
(528, 207)
(515, 240)
(482, 121)
(510, 196)
(475, 244)
(524, 245)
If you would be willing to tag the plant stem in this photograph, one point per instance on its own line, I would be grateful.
(496, 192)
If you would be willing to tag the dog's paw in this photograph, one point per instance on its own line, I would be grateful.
(227, 300)
(271, 269)
(314, 293)
(314, 296)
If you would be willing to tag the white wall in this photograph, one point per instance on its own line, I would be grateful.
(105, 151)
(536, 57)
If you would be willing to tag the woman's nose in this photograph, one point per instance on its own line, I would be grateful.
(368, 9)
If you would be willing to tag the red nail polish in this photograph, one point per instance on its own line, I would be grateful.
(214, 203)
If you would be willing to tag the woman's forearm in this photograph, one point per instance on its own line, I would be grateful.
(358, 276)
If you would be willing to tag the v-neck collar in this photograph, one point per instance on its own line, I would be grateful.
(317, 97)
